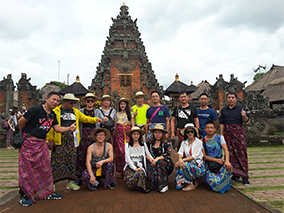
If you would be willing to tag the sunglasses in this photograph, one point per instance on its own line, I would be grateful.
(90, 101)
(189, 131)
(72, 103)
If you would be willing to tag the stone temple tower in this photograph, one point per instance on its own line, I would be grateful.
(124, 68)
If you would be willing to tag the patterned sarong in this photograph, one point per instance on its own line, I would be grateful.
(85, 142)
(219, 182)
(158, 175)
(134, 179)
(107, 173)
(180, 137)
(191, 171)
(35, 175)
(237, 145)
(120, 140)
(9, 136)
(63, 159)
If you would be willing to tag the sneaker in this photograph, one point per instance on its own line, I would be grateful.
(53, 196)
(25, 201)
(234, 178)
(112, 186)
(73, 186)
(166, 188)
(246, 182)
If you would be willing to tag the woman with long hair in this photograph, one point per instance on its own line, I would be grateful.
(135, 156)
(160, 166)
(190, 166)
(123, 122)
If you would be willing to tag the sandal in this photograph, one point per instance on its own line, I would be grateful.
(195, 183)
(189, 187)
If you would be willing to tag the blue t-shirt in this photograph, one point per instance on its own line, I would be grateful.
(214, 146)
(160, 116)
(205, 115)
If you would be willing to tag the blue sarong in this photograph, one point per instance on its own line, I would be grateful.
(191, 171)
(219, 182)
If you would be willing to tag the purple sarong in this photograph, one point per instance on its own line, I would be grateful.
(237, 145)
(35, 175)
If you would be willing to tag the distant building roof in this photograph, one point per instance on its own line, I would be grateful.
(49, 88)
(203, 87)
(272, 84)
(177, 86)
(76, 88)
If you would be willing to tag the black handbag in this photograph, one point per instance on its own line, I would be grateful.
(19, 139)
(109, 125)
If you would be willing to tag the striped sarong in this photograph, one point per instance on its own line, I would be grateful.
(219, 182)
(237, 145)
(35, 175)
(120, 139)
(85, 142)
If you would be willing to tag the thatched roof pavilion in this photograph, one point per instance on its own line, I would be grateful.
(76, 88)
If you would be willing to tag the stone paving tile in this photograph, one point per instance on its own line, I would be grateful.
(9, 182)
(265, 182)
(257, 173)
(8, 169)
(9, 164)
(267, 160)
(265, 153)
(272, 195)
(268, 165)
(281, 156)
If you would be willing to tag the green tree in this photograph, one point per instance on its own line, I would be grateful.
(61, 85)
(258, 75)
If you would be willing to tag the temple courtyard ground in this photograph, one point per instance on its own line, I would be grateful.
(265, 194)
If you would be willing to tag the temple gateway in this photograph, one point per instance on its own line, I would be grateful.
(124, 68)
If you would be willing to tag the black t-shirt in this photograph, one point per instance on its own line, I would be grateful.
(37, 116)
(183, 118)
(91, 114)
(67, 117)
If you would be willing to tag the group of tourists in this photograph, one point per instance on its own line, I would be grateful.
(93, 145)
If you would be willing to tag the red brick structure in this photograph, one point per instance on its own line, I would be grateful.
(6, 94)
(124, 68)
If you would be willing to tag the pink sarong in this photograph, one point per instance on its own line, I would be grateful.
(35, 175)
(120, 139)
(237, 145)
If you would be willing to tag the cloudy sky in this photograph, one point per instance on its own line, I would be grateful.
(196, 39)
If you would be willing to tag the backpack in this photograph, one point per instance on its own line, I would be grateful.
(5, 125)
(110, 124)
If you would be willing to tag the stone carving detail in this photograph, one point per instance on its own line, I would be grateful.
(7, 94)
(125, 31)
(125, 67)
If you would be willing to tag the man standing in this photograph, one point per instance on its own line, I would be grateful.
(205, 113)
(139, 110)
(99, 160)
(157, 114)
(183, 114)
(85, 132)
(231, 126)
(35, 175)
(110, 113)
(65, 144)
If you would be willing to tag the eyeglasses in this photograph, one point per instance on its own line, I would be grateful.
(72, 103)
(90, 101)
(189, 131)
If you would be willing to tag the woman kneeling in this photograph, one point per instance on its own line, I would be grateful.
(135, 158)
(162, 165)
(190, 166)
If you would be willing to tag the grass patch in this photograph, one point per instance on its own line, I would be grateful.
(8, 162)
(271, 168)
(266, 162)
(9, 171)
(10, 178)
(261, 188)
(9, 187)
(11, 158)
(276, 202)
(5, 167)
(261, 158)
(279, 133)
(272, 176)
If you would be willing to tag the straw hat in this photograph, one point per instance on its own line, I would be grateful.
(107, 97)
(93, 134)
(188, 126)
(123, 99)
(89, 95)
(159, 127)
(133, 129)
(139, 93)
(70, 96)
